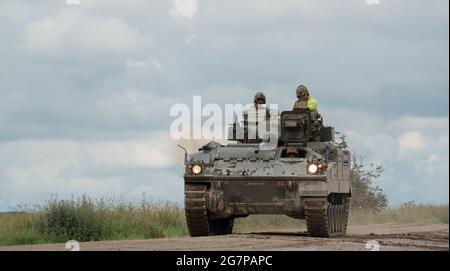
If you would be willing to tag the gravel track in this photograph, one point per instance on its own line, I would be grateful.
(387, 236)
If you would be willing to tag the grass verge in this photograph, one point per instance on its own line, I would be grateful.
(406, 213)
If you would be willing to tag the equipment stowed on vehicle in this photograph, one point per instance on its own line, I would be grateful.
(305, 175)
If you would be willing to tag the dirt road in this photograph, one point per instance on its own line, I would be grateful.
(359, 237)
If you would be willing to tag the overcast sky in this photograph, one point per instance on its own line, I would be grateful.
(86, 87)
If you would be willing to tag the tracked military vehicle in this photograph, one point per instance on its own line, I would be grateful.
(304, 176)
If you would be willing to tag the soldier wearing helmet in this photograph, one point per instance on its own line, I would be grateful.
(257, 115)
(259, 104)
(304, 101)
(260, 98)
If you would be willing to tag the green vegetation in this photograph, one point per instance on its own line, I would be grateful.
(84, 219)
(366, 194)
(407, 213)
(19, 229)
(87, 220)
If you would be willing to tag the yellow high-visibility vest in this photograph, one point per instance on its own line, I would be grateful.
(312, 104)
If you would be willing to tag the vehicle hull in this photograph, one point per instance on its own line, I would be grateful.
(243, 196)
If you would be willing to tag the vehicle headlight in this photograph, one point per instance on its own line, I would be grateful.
(312, 169)
(196, 169)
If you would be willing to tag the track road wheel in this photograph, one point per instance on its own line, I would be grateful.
(327, 217)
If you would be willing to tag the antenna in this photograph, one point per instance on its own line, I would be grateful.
(185, 153)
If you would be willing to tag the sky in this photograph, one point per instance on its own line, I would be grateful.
(86, 87)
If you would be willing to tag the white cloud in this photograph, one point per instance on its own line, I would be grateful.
(413, 150)
(184, 9)
(432, 162)
(419, 123)
(109, 186)
(73, 2)
(146, 153)
(48, 33)
(425, 154)
(135, 105)
(15, 11)
(108, 34)
(74, 31)
(411, 141)
(32, 170)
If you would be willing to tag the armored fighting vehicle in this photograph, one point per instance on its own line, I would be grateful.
(304, 176)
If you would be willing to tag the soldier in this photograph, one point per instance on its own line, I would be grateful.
(254, 115)
(258, 114)
(304, 100)
(258, 120)
(260, 98)
(307, 102)
(260, 107)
